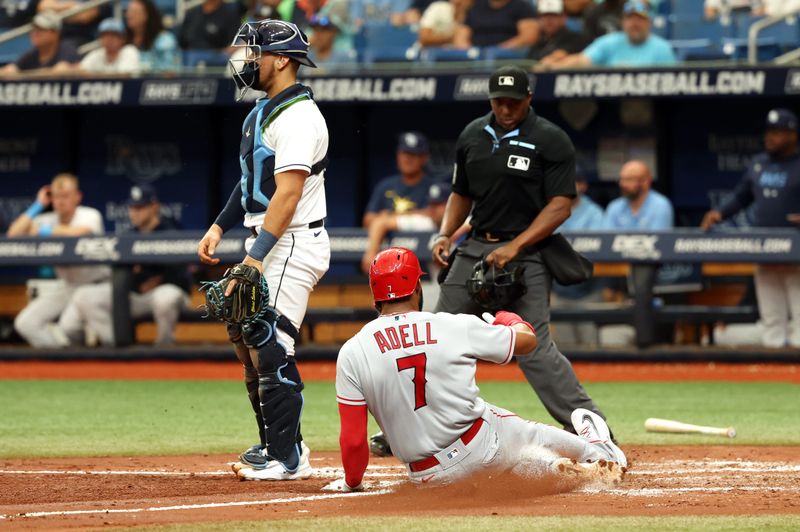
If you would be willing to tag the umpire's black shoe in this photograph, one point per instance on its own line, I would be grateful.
(379, 446)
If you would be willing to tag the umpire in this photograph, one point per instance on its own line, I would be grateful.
(515, 171)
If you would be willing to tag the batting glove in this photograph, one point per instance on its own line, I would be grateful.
(510, 319)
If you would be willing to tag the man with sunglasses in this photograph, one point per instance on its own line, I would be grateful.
(515, 173)
(281, 196)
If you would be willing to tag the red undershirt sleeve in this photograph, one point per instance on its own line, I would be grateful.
(353, 442)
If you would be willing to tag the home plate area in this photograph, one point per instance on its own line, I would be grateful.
(66, 492)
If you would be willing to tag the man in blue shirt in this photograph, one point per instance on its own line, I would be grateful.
(634, 46)
(640, 208)
(403, 202)
(772, 185)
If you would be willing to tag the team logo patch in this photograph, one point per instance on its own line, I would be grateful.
(505, 81)
(452, 454)
(519, 163)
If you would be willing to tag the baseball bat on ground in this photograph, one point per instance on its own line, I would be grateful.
(667, 425)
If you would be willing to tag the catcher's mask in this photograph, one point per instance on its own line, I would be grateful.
(495, 288)
(394, 274)
(254, 38)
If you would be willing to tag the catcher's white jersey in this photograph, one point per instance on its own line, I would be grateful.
(416, 373)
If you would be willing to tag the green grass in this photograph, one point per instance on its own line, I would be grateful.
(773, 523)
(125, 418)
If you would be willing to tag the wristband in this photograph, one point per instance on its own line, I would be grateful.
(45, 230)
(440, 235)
(264, 243)
(35, 209)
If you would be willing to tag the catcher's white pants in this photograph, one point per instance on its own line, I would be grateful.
(93, 306)
(293, 268)
(34, 321)
(778, 294)
(507, 442)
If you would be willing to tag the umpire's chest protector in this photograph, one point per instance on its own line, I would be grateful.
(256, 159)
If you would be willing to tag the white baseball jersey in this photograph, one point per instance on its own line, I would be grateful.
(84, 217)
(416, 374)
(299, 139)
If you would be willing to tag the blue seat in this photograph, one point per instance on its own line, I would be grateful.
(196, 58)
(662, 27)
(736, 48)
(784, 34)
(688, 8)
(385, 43)
(11, 50)
(685, 28)
(437, 55)
(492, 53)
(575, 24)
(697, 50)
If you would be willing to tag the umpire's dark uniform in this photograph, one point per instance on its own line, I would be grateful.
(510, 177)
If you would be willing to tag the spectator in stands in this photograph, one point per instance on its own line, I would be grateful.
(555, 41)
(158, 49)
(209, 26)
(403, 202)
(48, 50)
(113, 56)
(413, 14)
(68, 218)
(634, 46)
(640, 208)
(158, 290)
(603, 18)
(78, 29)
(502, 23)
(576, 8)
(441, 19)
(772, 185)
(14, 13)
(586, 216)
(719, 8)
(328, 43)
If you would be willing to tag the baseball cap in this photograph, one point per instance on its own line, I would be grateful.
(781, 119)
(550, 7)
(111, 25)
(636, 7)
(321, 21)
(509, 82)
(412, 142)
(47, 20)
(141, 195)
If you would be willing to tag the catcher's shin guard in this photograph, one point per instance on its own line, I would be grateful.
(279, 390)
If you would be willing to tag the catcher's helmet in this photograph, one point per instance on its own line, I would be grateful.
(495, 288)
(268, 35)
(394, 273)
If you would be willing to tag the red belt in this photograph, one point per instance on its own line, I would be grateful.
(432, 461)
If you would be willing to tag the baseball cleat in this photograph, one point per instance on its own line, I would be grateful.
(256, 457)
(275, 471)
(379, 445)
(593, 428)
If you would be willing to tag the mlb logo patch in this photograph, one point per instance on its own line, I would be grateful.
(519, 163)
(452, 454)
(505, 81)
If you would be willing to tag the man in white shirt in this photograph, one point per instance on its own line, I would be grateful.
(114, 56)
(68, 218)
(415, 373)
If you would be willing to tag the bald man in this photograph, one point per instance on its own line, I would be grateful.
(35, 323)
(639, 208)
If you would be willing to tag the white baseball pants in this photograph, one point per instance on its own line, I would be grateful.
(93, 305)
(293, 268)
(507, 442)
(778, 294)
(34, 321)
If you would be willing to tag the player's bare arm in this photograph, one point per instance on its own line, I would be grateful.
(23, 225)
(455, 214)
(554, 214)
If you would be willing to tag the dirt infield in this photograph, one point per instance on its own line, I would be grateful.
(65, 493)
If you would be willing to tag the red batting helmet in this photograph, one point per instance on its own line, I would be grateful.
(394, 273)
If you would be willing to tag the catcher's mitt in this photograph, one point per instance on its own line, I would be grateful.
(247, 302)
(495, 288)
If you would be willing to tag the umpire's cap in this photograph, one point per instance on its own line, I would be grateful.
(394, 274)
(781, 119)
(509, 82)
(277, 37)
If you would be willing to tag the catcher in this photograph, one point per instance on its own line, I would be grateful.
(281, 195)
(415, 372)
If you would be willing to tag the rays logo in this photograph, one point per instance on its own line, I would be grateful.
(143, 162)
(519, 163)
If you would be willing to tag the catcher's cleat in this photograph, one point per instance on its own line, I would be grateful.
(256, 457)
(593, 428)
(379, 445)
(276, 471)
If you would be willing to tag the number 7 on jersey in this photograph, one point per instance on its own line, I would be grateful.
(417, 363)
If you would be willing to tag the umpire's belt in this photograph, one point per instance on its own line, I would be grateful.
(312, 225)
(432, 461)
(491, 236)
